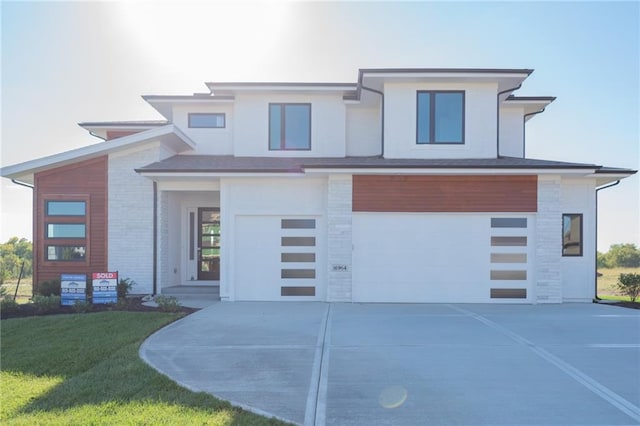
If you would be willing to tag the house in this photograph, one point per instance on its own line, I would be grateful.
(410, 185)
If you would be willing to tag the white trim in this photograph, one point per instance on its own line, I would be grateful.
(446, 171)
(172, 175)
(169, 135)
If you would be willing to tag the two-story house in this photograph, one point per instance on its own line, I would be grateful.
(410, 185)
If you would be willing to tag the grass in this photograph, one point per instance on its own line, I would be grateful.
(607, 282)
(24, 291)
(85, 369)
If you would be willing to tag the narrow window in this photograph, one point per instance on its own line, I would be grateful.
(202, 120)
(572, 234)
(66, 208)
(65, 230)
(66, 253)
(440, 117)
(289, 127)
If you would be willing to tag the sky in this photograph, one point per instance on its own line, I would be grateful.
(67, 62)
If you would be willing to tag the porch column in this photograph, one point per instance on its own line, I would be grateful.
(549, 241)
(339, 240)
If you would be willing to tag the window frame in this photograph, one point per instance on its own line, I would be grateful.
(432, 117)
(56, 219)
(581, 239)
(217, 114)
(282, 145)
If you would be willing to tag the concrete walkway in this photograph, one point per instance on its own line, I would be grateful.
(390, 364)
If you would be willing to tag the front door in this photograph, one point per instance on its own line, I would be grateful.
(209, 243)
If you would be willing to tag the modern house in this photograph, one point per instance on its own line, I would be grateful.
(410, 185)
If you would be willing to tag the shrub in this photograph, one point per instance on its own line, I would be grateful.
(168, 304)
(45, 304)
(124, 287)
(48, 288)
(81, 306)
(629, 285)
(7, 304)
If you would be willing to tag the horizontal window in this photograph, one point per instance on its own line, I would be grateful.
(508, 222)
(440, 117)
(66, 230)
(509, 241)
(298, 241)
(508, 293)
(298, 224)
(508, 275)
(572, 234)
(297, 257)
(66, 253)
(297, 291)
(289, 127)
(298, 273)
(201, 120)
(66, 208)
(508, 258)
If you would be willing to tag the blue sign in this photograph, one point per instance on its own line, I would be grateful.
(105, 288)
(73, 287)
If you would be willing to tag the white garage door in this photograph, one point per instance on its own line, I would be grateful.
(450, 258)
(278, 258)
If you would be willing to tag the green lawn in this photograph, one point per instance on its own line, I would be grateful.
(24, 290)
(85, 369)
(607, 282)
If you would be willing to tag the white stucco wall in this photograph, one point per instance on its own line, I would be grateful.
(511, 131)
(251, 125)
(578, 272)
(268, 200)
(209, 141)
(480, 122)
(364, 128)
(130, 220)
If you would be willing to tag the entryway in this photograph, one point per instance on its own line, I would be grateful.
(208, 244)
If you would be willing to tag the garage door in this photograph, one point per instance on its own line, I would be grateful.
(278, 258)
(451, 258)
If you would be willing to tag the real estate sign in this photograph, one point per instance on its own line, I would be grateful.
(105, 287)
(72, 287)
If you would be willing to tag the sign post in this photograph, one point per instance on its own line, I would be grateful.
(105, 287)
(72, 287)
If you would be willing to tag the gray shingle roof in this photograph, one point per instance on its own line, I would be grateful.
(231, 164)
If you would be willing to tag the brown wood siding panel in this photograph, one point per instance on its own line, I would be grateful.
(443, 194)
(85, 180)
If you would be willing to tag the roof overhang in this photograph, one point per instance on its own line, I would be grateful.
(168, 135)
(164, 103)
(230, 89)
(531, 105)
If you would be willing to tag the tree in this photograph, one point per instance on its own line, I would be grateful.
(12, 254)
(623, 255)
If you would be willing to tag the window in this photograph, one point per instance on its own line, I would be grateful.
(440, 117)
(572, 234)
(66, 253)
(66, 208)
(207, 120)
(65, 230)
(289, 126)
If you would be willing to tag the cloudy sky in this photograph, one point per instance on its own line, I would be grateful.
(67, 62)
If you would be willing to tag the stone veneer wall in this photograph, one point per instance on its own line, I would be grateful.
(548, 240)
(339, 208)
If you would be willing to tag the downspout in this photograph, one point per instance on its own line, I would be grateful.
(524, 121)
(498, 116)
(596, 299)
(155, 238)
(382, 118)
(17, 182)
(97, 136)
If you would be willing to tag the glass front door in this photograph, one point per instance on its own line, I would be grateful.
(209, 243)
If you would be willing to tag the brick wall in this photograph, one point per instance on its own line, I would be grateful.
(548, 284)
(339, 238)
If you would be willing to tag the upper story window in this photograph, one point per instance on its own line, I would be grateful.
(66, 208)
(206, 120)
(440, 117)
(289, 126)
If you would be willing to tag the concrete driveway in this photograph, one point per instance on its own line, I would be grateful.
(396, 364)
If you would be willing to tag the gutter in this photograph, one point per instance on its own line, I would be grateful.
(26, 185)
(596, 299)
(513, 89)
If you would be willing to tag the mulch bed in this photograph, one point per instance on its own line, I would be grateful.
(134, 304)
(631, 305)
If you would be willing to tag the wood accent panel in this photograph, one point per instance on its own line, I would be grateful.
(83, 181)
(468, 193)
